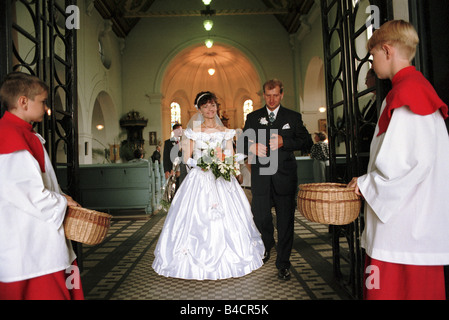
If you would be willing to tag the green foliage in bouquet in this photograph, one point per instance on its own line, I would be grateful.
(215, 160)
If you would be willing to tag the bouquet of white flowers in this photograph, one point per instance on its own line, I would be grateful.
(222, 164)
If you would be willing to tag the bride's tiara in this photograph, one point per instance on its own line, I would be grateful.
(197, 100)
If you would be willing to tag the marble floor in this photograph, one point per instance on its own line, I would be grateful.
(120, 268)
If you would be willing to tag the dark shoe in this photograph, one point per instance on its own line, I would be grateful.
(284, 274)
(266, 256)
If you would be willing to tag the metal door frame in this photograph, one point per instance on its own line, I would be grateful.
(62, 126)
(338, 23)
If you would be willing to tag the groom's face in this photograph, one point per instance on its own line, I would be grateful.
(273, 97)
(177, 132)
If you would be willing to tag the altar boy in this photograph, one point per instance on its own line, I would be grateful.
(407, 206)
(37, 262)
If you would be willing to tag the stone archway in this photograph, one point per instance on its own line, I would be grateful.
(103, 113)
(235, 79)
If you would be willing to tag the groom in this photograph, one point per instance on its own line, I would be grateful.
(272, 134)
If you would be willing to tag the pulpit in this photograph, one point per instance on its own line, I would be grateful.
(134, 124)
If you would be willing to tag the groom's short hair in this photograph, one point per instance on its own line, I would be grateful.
(273, 83)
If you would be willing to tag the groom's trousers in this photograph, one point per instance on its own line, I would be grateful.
(285, 214)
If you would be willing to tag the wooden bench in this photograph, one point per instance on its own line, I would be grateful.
(120, 186)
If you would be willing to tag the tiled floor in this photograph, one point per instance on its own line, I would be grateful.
(120, 268)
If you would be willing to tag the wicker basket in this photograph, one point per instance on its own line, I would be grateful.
(86, 226)
(328, 203)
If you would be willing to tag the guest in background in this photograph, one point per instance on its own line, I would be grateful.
(156, 154)
(368, 114)
(172, 150)
(245, 171)
(320, 155)
(138, 156)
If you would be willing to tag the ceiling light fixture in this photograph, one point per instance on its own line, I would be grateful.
(100, 127)
(209, 43)
(207, 2)
(211, 71)
(208, 24)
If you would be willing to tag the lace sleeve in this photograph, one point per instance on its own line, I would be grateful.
(229, 134)
(190, 134)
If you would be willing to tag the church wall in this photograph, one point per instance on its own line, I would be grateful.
(137, 64)
(308, 50)
(310, 55)
(154, 39)
(95, 81)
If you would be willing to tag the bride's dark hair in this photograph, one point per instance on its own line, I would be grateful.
(204, 97)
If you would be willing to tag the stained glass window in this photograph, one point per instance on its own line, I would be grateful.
(247, 108)
(175, 111)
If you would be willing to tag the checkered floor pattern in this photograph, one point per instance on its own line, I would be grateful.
(120, 268)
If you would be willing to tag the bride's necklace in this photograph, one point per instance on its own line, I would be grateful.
(207, 127)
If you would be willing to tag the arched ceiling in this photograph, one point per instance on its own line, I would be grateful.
(125, 14)
(234, 77)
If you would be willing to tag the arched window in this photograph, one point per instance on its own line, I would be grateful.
(247, 108)
(175, 113)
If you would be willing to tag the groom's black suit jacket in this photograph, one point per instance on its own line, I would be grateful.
(280, 171)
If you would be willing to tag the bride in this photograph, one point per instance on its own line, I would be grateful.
(209, 231)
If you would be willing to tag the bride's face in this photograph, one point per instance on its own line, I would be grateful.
(209, 110)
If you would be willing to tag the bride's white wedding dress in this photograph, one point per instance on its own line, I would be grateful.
(209, 231)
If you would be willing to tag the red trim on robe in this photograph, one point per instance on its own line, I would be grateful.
(17, 134)
(47, 287)
(412, 89)
(402, 282)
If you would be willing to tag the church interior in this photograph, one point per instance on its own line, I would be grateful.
(122, 72)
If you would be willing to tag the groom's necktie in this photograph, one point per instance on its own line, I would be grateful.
(271, 117)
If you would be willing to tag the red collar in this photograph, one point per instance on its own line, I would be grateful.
(412, 89)
(17, 134)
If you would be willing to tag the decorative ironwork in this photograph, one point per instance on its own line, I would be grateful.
(38, 42)
(345, 34)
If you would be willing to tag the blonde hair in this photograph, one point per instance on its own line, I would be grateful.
(397, 33)
(273, 83)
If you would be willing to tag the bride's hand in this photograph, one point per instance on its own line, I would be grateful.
(239, 178)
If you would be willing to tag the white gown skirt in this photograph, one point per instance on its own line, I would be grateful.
(209, 232)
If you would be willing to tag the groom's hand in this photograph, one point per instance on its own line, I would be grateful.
(276, 141)
(258, 149)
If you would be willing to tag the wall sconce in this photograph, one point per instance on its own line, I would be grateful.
(322, 109)
(207, 2)
(211, 71)
(209, 43)
(100, 127)
(208, 24)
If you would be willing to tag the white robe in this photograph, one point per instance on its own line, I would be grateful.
(32, 210)
(407, 210)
